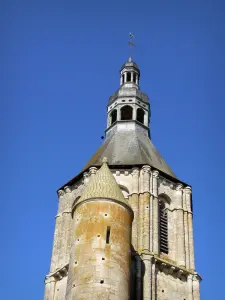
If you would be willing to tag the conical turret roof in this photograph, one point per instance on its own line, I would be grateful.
(103, 185)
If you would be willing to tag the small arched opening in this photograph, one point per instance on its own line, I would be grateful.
(134, 78)
(140, 115)
(128, 76)
(123, 79)
(126, 112)
(113, 116)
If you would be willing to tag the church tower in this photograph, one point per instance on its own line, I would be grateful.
(124, 227)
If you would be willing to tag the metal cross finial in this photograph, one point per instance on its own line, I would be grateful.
(131, 35)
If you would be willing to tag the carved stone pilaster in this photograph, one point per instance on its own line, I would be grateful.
(155, 212)
(155, 175)
(196, 287)
(146, 178)
(180, 249)
(135, 180)
(187, 194)
(187, 191)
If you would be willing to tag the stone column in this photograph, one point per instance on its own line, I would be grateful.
(136, 78)
(180, 249)
(186, 239)
(154, 280)
(134, 113)
(146, 118)
(134, 205)
(49, 288)
(146, 207)
(147, 277)
(67, 226)
(196, 287)
(132, 77)
(190, 228)
(57, 233)
(125, 77)
(121, 79)
(155, 212)
(141, 212)
(119, 113)
(189, 283)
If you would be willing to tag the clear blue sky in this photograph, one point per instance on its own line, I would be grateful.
(60, 62)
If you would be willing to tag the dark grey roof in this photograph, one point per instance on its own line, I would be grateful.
(130, 64)
(132, 92)
(130, 147)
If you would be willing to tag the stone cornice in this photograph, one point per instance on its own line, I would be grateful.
(168, 267)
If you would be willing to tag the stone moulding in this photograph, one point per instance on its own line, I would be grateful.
(168, 267)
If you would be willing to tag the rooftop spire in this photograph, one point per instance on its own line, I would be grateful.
(131, 35)
(103, 185)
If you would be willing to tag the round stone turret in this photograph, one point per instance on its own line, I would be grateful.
(100, 257)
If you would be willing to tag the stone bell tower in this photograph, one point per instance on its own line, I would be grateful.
(124, 227)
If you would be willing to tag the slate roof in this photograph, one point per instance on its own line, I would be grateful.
(130, 147)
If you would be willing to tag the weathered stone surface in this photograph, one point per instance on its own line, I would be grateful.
(129, 264)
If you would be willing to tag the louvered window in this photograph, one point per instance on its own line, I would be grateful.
(163, 228)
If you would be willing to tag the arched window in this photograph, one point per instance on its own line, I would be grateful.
(140, 115)
(163, 227)
(134, 78)
(126, 112)
(128, 76)
(113, 116)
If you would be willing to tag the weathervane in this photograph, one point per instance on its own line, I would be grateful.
(131, 35)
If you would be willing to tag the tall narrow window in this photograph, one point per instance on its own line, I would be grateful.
(134, 78)
(107, 234)
(163, 228)
(140, 115)
(128, 76)
(113, 116)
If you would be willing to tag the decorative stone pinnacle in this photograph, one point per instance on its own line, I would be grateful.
(105, 160)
